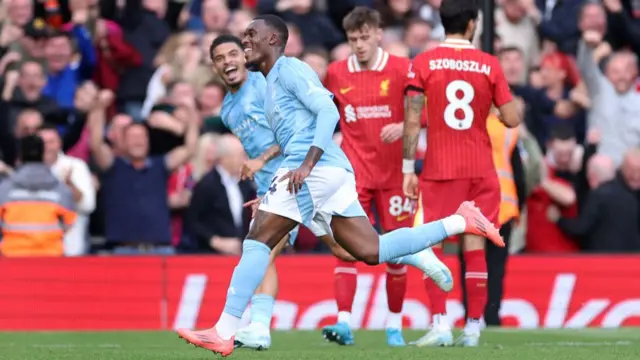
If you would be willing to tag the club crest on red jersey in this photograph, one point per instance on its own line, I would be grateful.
(384, 87)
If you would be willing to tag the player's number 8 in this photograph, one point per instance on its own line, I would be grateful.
(459, 103)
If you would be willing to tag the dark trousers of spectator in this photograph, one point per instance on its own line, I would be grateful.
(496, 268)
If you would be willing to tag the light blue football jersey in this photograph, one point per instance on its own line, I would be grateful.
(243, 113)
(301, 113)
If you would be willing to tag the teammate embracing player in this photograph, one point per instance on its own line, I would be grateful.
(368, 88)
(461, 85)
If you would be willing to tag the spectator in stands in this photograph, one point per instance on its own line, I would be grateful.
(295, 46)
(555, 194)
(20, 35)
(608, 222)
(206, 156)
(26, 93)
(240, 19)
(397, 49)
(115, 134)
(115, 55)
(135, 184)
(615, 111)
(318, 59)
(216, 217)
(145, 29)
(315, 27)
(213, 16)
(417, 33)
(177, 63)
(36, 208)
(64, 76)
(624, 25)
(29, 120)
(210, 99)
(517, 28)
(74, 173)
(557, 21)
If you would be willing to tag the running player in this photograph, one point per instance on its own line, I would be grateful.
(315, 182)
(462, 84)
(368, 88)
(243, 113)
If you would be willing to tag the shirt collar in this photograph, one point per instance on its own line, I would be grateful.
(457, 44)
(147, 162)
(382, 57)
(226, 176)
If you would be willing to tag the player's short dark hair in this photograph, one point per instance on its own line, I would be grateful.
(224, 39)
(277, 24)
(456, 15)
(31, 149)
(562, 131)
(361, 16)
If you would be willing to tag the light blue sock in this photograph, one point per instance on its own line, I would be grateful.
(407, 241)
(262, 309)
(247, 276)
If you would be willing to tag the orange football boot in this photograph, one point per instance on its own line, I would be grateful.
(478, 224)
(208, 339)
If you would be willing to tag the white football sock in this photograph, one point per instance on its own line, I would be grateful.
(454, 224)
(227, 326)
(440, 322)
(344, 317)
(472, 326)
(394, 321)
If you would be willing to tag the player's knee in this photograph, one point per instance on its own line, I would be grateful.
(369, 257)
(473, 242)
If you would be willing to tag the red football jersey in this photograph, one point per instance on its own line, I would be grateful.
(460, 84)
(369, 100)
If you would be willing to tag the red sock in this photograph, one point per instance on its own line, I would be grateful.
(396, 286)
(345, 280)
(437, 297)
(475, 280)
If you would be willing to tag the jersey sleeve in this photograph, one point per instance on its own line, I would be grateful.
(306, 87)
(416, 75)
(501, 90)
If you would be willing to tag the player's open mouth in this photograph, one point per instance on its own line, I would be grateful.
(230, 70)
(247, 51)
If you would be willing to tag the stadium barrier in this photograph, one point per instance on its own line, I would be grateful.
(133, 293)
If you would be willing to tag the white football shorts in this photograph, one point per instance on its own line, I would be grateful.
(326, 192)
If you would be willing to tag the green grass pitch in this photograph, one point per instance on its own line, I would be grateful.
(589, 344)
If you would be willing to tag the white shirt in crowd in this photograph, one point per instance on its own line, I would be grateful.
(234, 194)
(76, 239)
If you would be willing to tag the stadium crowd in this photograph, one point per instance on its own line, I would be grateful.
(102, 83)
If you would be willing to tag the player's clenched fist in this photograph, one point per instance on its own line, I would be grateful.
(410, 186)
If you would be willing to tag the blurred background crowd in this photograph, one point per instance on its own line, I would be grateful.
(123, 96)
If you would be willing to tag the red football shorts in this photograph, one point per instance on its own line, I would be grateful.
(393, 208)
(441, 198)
